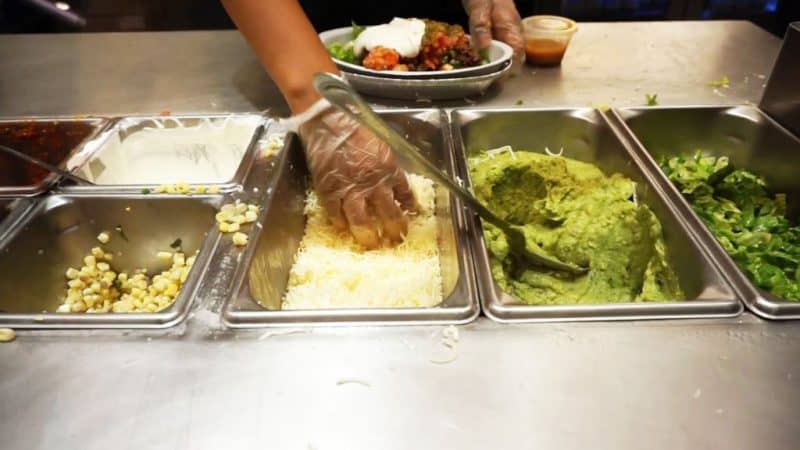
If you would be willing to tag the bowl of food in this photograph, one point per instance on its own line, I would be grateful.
(412, 48)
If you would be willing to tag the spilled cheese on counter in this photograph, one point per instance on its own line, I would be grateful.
(332, 271)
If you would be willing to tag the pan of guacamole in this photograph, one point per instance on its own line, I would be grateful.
(579, 215)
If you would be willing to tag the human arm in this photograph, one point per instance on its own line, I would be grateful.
(354, 173)
(287, 45)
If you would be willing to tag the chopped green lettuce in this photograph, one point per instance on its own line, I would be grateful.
(723, 82)
(484, 54)
(343, 52)
(357, 29)
(749, 222)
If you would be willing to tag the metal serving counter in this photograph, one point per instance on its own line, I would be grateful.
(705, 383)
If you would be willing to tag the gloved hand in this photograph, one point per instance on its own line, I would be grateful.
(356, 177)
(498, 19)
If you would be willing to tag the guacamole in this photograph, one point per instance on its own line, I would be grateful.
(578, 215)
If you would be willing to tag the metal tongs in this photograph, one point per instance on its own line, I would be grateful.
(44, 165)
(341, 95)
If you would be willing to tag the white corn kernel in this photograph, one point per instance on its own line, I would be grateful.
(223, 216)
(98, 252)
(238, 219)
(76, 284)
(159, 285)
(240, 208)
(103, 237)
(64, 308)
(164, 256)
(239, 239)
(253, 208)
(230, 209)
(72, 273)
(213, 190)
(90, 261)
(250, 216)
(179, 259)
(171, 289)
(233, 227)
(103, 267)
(7, 335)
(200, 189)
(223, 227)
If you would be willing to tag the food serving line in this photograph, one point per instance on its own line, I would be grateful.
(208, 383)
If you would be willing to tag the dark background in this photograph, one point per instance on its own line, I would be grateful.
(45, 16)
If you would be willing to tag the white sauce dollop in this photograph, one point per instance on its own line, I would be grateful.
(401, 35)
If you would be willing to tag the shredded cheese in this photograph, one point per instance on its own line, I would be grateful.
(504, 149)
(560, 152)
(331, 270)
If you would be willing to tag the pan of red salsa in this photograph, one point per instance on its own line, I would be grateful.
(51, 140)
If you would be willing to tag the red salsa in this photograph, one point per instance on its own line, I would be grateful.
(51, 142)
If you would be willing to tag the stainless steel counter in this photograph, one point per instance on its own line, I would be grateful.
(215, 71)
(732, 383)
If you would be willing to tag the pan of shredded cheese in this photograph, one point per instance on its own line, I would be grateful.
(332, 271)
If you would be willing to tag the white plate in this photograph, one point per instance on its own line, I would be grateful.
(425, 88)
(499, 54)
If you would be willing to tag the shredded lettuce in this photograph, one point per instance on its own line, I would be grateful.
(484, 54)
(357, 29)
(343, 52)
(749, 222)
(723, 82)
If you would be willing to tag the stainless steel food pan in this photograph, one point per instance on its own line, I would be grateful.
(585, 135)
(59, 230)
(55, 140)
(752, 141)
(261, 279)
(105, 161)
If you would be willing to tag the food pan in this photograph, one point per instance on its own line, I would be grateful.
(214, 150)
(51, 139)
(261, 279)
(752, 141)
(585, 135)
(59, 230)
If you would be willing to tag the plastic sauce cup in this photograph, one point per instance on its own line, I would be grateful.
(546, 38)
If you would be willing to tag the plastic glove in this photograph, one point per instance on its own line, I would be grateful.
(356, 177)
(498, 19)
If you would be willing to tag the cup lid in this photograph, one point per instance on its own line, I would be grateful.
(550, 23)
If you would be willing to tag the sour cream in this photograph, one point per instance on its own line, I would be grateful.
(172, 150)
(401, 35)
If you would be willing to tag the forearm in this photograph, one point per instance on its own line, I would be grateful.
(286, 44)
